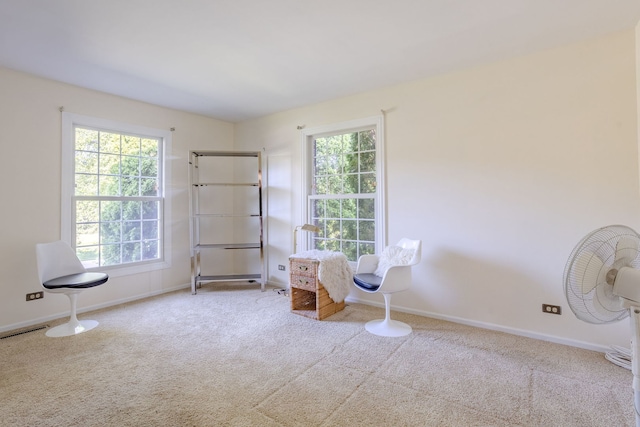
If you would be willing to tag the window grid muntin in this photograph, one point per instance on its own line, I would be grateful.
(145, 249)
(340, 156)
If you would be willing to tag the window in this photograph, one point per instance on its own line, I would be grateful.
(344, 187)
(113, 207)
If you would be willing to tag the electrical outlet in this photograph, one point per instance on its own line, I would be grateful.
(35, 295)
(551, 309)
(280, 267)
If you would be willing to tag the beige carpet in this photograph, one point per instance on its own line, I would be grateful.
(235, 356)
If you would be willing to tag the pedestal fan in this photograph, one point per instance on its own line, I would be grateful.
(602, 285)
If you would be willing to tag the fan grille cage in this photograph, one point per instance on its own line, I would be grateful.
(590, 261)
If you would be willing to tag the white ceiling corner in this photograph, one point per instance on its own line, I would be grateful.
(241, 59)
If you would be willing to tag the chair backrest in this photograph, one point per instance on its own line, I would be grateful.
(416, 245)
(56, 259)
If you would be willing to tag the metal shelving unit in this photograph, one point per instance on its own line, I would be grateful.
(226, 217)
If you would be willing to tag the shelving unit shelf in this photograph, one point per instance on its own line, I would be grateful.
(226, 219)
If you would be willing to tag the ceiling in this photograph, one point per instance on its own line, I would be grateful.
(241, 59)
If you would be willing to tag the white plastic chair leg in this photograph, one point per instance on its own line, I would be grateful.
(73, 326)
(387, 327)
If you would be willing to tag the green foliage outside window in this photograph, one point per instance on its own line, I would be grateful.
(109, 168)
(344, 191)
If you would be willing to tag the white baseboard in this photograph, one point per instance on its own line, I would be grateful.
(489, 326)
(454, 319)
(45, 319)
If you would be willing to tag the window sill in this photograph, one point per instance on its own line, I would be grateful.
(129, 270)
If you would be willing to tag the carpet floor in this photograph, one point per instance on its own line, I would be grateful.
(234, 356)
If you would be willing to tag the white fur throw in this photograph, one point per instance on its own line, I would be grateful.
(334, 272)
(393, 255)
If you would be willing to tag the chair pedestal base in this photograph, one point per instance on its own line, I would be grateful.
(71, 328)
(388, 328)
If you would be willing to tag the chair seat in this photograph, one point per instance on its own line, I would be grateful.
(79, 280)
(367, 281)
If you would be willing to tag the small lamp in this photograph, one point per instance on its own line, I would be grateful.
(306, 227)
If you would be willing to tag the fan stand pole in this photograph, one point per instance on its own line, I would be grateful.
(634, 313)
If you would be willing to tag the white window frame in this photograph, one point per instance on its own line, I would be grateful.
(69, 122)
(308, 135)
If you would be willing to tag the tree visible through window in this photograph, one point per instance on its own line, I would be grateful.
(117, 202)
(343, 192)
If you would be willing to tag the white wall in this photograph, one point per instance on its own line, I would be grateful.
(30, 189)
(638, 78)
(500, 170)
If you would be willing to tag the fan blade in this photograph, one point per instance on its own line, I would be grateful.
(626, 251)
(605, 302)
(589, 271)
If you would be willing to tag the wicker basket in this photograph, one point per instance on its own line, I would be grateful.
(308, 297)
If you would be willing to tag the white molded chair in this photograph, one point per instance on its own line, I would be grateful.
(60, 271)
(397, 278)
